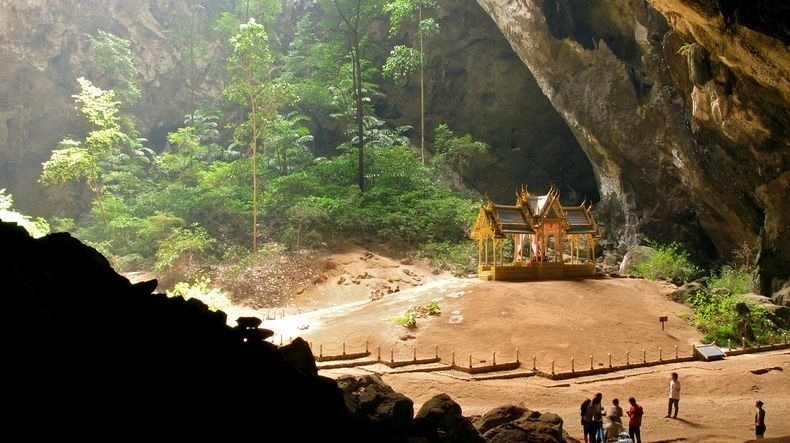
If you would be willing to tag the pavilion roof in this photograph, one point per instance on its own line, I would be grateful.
(529, 213)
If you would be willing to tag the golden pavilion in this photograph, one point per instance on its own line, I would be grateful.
(536, 239)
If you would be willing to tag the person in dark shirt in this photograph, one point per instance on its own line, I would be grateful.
(759, 419)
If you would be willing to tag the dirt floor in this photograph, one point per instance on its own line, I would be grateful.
(564, 325)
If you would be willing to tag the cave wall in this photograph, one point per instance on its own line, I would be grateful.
(678, 156)
(476, 84)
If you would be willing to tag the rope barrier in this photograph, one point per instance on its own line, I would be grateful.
(496, 364)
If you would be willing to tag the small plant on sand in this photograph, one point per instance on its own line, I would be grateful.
(433, 308)
(409, 319)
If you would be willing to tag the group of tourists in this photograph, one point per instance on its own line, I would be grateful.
(600, 427)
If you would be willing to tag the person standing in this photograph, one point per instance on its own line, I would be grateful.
(635, 413)
(591, 419)
(759, 420)
(674, 396)
(613, 424)
(616, 412)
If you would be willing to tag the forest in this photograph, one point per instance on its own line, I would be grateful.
(244, 176)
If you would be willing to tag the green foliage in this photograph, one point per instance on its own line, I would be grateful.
(112, 58)
(458, 257)
(108, 160)
(407, 320)
(724, 316)
(36, 228)
(433, 308)
(254, 86)
(215, 299)
(70, 161)
(668, 262)
(264, 12)
(742, 280)
(182, 244)
(344, 91)
(455, 154)
(402, 62)
(404, 203)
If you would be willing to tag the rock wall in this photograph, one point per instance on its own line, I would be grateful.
(681, 108)
(91, 356)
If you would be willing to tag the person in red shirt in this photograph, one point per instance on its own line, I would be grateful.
(635, 413)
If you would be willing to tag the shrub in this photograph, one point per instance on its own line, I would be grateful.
(36, 228)
(669, 262)
(741, 280)
(199, 289)
(458, 258)
(724, 316)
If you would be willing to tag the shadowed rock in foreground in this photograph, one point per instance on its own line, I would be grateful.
(91, 356)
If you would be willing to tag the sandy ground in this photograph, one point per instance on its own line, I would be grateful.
(567, 325)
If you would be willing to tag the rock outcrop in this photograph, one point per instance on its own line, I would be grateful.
(681, 107)
(90, 356)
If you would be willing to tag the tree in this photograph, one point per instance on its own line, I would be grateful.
(84, 160)
(403, 60)
(253, 85)
(355, 15)
(454, 154)
(112, 60)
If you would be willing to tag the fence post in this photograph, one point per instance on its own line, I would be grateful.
(644, 354)
(436, 351)
(676, 352)
(414, 353)
(534, 363)
(493, 358)
(572, 370)
(610, 359)
(344, 348)
(660, 357)
(627, 359)
(392, 355)
(591, 362)
(321, 350)
(552, 367)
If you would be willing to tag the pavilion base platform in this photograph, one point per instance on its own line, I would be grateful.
(537, 271)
